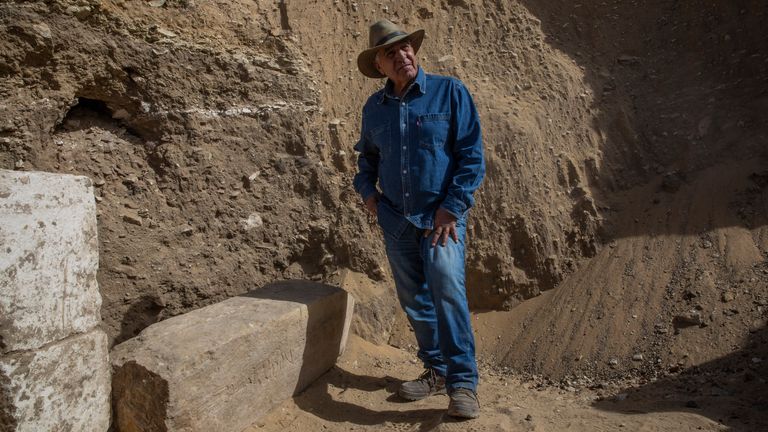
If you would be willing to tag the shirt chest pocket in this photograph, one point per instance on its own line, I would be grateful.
(433, 130)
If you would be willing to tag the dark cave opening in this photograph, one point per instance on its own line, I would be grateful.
(86, 113)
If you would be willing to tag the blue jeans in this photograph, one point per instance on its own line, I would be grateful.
(430, 287)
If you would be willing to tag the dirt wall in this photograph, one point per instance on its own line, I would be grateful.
(219, 136)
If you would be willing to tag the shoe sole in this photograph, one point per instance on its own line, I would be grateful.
(415, 397)
(464, 415)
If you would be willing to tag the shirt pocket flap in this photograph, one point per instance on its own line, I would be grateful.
(433, 130)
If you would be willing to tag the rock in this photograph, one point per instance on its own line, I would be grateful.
(186, 229)
(131, 180)
(690, 295)
(528, 418)
(613, 362)
(293, 271)
(446, 59)
(42, 30)
(80, 12)
(254, 221)
(121, 114)
(132, 218)
(727, 297)
(688, 319)
(637, 357)
(704, 126)
(221, 367)
(248, 180)
(627, 59)
(165, 32)
(157, 3)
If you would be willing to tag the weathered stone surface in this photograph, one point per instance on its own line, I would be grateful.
(48, 288)
(221, 367)
(54, 366)
(62, 387)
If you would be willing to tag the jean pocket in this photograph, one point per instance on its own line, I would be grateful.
(433, 130)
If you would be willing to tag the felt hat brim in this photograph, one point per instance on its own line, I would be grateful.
(366, 61)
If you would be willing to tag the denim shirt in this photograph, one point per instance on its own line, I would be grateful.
(425, 151)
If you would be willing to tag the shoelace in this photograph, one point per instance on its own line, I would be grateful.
(428, 375)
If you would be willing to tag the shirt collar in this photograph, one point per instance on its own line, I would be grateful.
(420, 82)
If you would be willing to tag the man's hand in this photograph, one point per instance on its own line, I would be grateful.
(371, 204)
(445, 226)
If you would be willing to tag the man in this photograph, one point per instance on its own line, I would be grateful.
(420, 141)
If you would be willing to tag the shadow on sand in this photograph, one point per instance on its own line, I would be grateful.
(324, 334)
(731, 390)
(321, 400)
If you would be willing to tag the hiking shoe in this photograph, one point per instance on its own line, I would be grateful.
(427, 384)
(464, 404)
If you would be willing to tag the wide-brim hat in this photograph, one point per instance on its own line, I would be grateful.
(381, 35)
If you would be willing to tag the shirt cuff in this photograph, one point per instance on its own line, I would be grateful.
(454, 207)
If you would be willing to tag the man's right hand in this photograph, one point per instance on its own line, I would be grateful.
(371, 203)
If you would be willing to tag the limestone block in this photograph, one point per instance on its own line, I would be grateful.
(219, 368)
(61, 387)
(49, 259)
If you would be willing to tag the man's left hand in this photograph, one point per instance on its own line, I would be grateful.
(445, 226)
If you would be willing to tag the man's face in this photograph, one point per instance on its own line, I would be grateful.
(398, 62)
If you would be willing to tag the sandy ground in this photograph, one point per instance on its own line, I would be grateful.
(359, 395)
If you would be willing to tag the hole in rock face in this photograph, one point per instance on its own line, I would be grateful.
(86, 113)
(89, 113)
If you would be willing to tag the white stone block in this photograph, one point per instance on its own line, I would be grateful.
(49, 259)
(221, 367)
(61, 387)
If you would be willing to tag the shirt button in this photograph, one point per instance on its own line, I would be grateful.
(407, 194)
(404, 147)
(405, 171)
